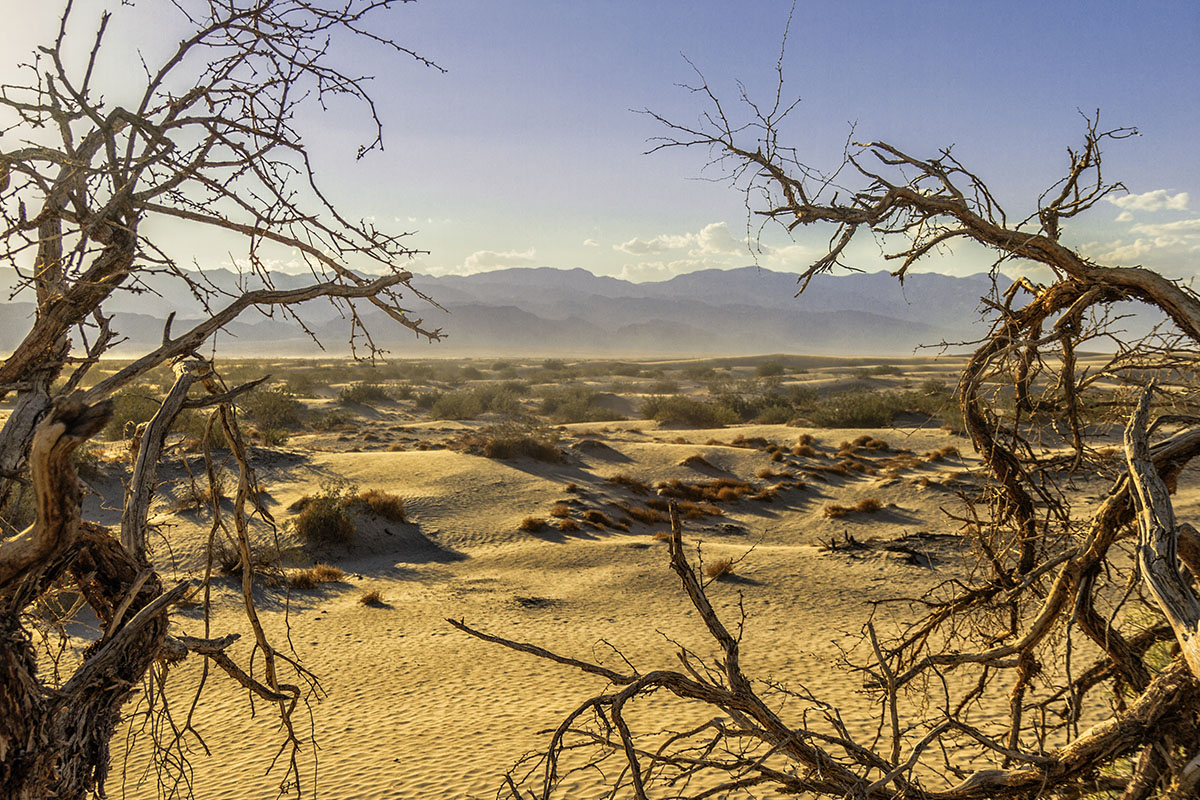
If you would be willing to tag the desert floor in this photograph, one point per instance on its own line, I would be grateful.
(410, 707)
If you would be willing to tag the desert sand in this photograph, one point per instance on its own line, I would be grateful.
(409, 707)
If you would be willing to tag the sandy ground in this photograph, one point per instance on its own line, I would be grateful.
(409, 707)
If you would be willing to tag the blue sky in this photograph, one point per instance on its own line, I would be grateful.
(529, 150)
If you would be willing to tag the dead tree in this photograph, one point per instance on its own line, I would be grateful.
(210, 141)
(1049, 575)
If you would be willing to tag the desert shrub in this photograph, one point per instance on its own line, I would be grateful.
(775, 415)
(723, 490)
(868, 505)
(383, 504)
(512, 441)
(131, 407)
(649, 516)
(326, 518)
(313, 576)
(861, 408)
(331, 420)
(663, 387)
(687, 411)
(532, 524)
(560, 510)
(880, 369)
(372, 598)
(768, 369)
(471, 372)
(629, 482)
(598, 518)
(470, 403)
(426, 400)
(272, 406)
(575, 404)
(568, 525)
(699, 372)
(715, 570)
(365, 394)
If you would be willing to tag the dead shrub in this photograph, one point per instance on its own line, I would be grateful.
(568, 525)
(868, 505)
(313, 576)
(648, 516)
(532, 524)
(834, 511)
(597, 518)
(721, 568)
(560, 510)
(632, 484)
(383, 504)
(372, 598)
(696, 461)
(806, 450)
(662, 536)
(804, 439)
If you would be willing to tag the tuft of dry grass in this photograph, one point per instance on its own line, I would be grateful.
(806, 450)
(383, 504)
(372, 598)
(721, 568)
(560, 511)
(868, 505)
(313, 576)
(804, 440)
(662, 536)
(598, 518)
(696, 461)
(568, 525)
(766, 473)
(649, 516)
(572, 487)
(835, 511)
(632, 484)
(532, 524)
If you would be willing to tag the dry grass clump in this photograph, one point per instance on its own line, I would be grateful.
(632, 484)
(511, 441)
(766, 473)
(804, 440)
(560, 510)
(696, 461)
(752, 442)
(532, 524)
(767, 495)
(383, 504)
(598, 518)
(715, 570)
(941, 454)
(719, 490)
(572, 487)
(313, 576)
(568, 525)
(806, 450)
(648, 516)
(687, 508)
(372, 598)
(867, 505)
(662, 536)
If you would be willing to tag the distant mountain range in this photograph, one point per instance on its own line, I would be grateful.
(548, 311)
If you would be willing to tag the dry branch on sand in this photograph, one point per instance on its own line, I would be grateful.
(1051, 573)
(211, 143)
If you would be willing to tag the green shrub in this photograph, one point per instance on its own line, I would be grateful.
(427, 400)
(575, 404)
(469, 404)
(332, 419)
(326, 518)
(663, 387)
(768, 369)
(363, 394)
(687, 411)
(860, 408)
(271, 407)
(131, 407)
(775, 415)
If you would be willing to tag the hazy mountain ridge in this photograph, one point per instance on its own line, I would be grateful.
(572, 312)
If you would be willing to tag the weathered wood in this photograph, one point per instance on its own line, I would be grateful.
(1159, 536)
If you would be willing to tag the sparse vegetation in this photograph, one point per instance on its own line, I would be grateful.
(512, 441)
(326, 518)
(720, 568)
(532, 524)
(687, 411)
(366, 394)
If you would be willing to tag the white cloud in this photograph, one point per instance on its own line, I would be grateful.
(1124, 216)
(1157, 200)
(1183, 227)
(482, 260)
(590, 243)
(712, 241)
